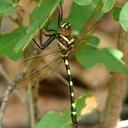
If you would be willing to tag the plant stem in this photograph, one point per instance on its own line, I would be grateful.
(117, 87)
(10, 88)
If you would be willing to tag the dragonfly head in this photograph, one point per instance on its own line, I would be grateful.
(65, 29)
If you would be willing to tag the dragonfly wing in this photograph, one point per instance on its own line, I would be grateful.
(88, 29)
(41, 55)
(39, 67)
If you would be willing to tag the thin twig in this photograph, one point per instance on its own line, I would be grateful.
(31, 107)
(5, 75)
(6, 95)
(32, 92)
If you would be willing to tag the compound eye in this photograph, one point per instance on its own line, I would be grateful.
(66, 25)
(65, 28)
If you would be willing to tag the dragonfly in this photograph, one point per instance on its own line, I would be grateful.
(66, 45)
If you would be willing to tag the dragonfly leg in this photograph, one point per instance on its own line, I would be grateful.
(51, 33)
(45, 44)
(41, 33)
(60, 16)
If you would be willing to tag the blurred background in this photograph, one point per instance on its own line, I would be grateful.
(53, 92)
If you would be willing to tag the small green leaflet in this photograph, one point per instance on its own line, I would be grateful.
(37, 20)
(89, 55)
(107, 5)
(123, 18)
(9, 41)
(85, 105)
(83, 2)
(116, 13)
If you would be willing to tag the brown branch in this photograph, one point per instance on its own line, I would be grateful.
(117, 86)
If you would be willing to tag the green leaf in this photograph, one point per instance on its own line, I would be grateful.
(6, 8)
(9, 41)
(38, 19)
(107, 5)
(116, 13)
(94, 41)
(80, 15)
(85, 105)
(83, 2)
(88, 56)
(123, 18)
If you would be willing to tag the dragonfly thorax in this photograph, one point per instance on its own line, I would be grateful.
(65, 40)
(66, 44)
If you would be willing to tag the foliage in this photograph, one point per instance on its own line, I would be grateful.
(90, 55)
(116, 13)
(123, 18)
(83, 2)
(37, 21)
(107, 5)
(7, 7)
(85, 105)
(86, 10)
(8, 42)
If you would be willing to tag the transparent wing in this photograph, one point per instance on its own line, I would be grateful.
(42, 55)
(38, 67)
